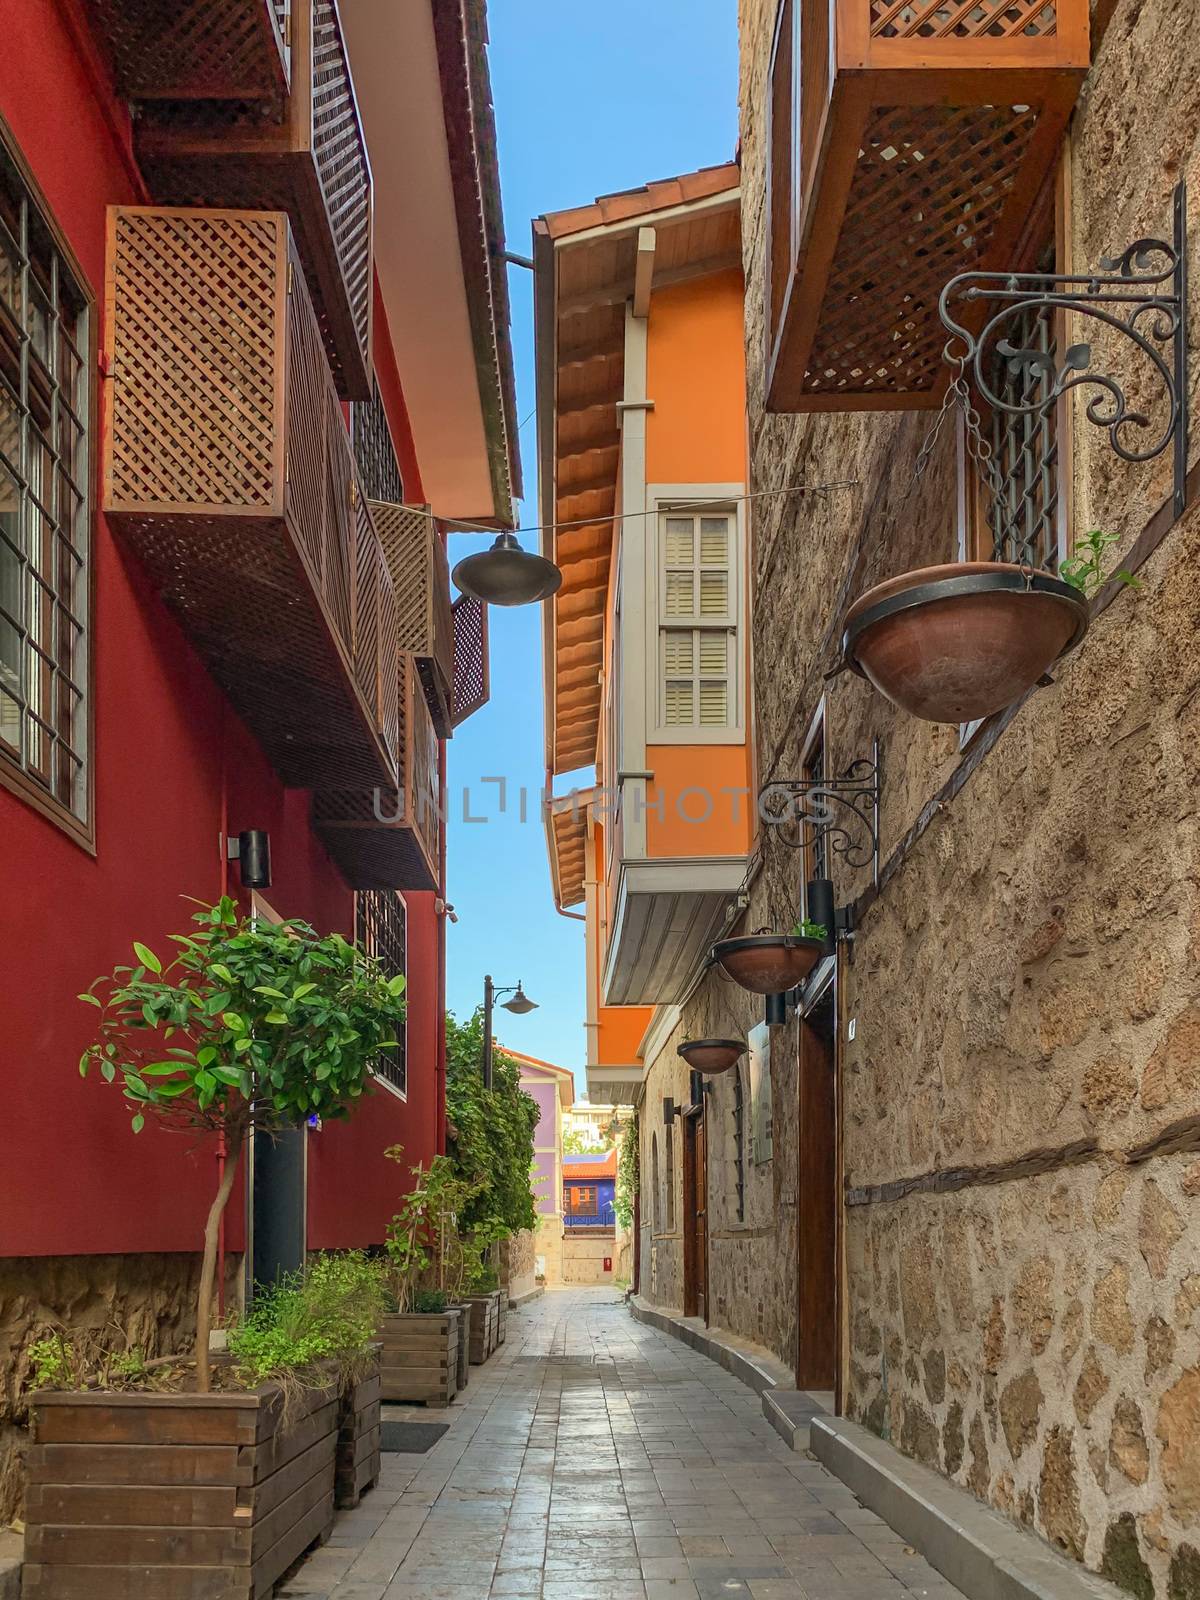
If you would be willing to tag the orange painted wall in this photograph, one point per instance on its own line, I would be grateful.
(697, 819)
(620, 1028)
(696, 376)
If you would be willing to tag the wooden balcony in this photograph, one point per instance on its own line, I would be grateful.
(199, 49)
(387, 838)
(227, 468)
(909, 141)
(310, 161)
(416, 557)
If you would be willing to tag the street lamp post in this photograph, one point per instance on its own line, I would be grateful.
(519, 1005)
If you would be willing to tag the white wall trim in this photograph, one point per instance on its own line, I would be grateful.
(631, 547)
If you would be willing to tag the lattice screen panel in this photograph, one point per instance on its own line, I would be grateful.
(954, 19)
(311, 164)
(196, 50)
(227, 466)
(417, 559)
(472, 676)
(927, 192)
(197, 316)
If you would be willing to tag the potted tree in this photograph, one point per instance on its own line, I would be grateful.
(421, 1335)
(772, 963)
(251, 1025)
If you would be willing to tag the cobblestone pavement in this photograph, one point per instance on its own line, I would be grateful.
(595, 1458)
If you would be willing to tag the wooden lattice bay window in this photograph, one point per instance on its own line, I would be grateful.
(908, 142)
(228, 469)
(45, 412)
(309, 159)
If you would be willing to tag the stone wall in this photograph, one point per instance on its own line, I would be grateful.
(518, 1259)
(547, 1246)
(145, 1302)
(584, 1257)
(1021, 1101)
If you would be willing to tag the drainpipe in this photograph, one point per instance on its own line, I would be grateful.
(439, 1055)
(221, 1151)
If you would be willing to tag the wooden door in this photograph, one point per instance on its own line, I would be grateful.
(816, 1292)
(695, 1218)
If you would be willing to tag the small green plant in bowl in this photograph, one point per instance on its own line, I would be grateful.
(1084, 567)
(807, 929)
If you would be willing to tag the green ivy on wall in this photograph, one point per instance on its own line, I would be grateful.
(490, 1137)
(627, 1173)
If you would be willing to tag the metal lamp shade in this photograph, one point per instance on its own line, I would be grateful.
(711, 1055)
(506, 575)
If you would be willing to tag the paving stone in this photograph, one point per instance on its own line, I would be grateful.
(594, 1458)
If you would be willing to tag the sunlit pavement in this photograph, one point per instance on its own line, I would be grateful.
(594, 1458)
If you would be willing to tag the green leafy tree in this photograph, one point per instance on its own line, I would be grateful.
(577, 1143)
(248, 1014)
(491, 1142)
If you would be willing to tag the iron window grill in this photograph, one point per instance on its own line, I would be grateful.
(373, 449)
(381, 929)
(739, 1141)
(1022, 498)
(44, 510)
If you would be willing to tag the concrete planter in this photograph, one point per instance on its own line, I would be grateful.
(170, 1495)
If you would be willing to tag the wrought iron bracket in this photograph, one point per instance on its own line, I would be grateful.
(1141, 294)
(843, 811)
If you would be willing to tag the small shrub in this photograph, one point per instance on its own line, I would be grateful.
(430, 1300)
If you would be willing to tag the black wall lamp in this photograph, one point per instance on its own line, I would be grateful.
(252, 852)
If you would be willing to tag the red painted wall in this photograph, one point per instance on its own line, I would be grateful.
(168, 758)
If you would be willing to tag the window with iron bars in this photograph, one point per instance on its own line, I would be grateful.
(44, 510)
(373, 449)
(1018, 513)
(381, 929)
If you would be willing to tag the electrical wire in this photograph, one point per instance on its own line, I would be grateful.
(457, 525)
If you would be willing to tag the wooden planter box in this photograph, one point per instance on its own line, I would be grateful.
(485, 1317)
(358, 1454)
(174, 1497)
(502, 1317)
(420, 1356)
(464, 1343)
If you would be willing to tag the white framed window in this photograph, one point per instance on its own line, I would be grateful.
(698, 675)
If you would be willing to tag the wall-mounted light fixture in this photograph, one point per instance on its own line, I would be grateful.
(252, 852)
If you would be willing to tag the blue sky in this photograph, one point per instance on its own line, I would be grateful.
(590, 98)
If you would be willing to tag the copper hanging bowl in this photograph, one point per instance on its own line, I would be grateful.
(959, 642)
(768, 963)
(711, 1055)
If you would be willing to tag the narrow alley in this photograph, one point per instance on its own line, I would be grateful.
(597, 1459)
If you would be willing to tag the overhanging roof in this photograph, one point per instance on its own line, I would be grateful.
(421, 76)
(566, 836)
(585, 268)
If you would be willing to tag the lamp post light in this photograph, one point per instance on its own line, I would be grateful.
(507, 575)
(519, 1005)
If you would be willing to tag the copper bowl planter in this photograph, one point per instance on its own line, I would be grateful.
(768, 963)
(711, 1055)
(958, 642)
